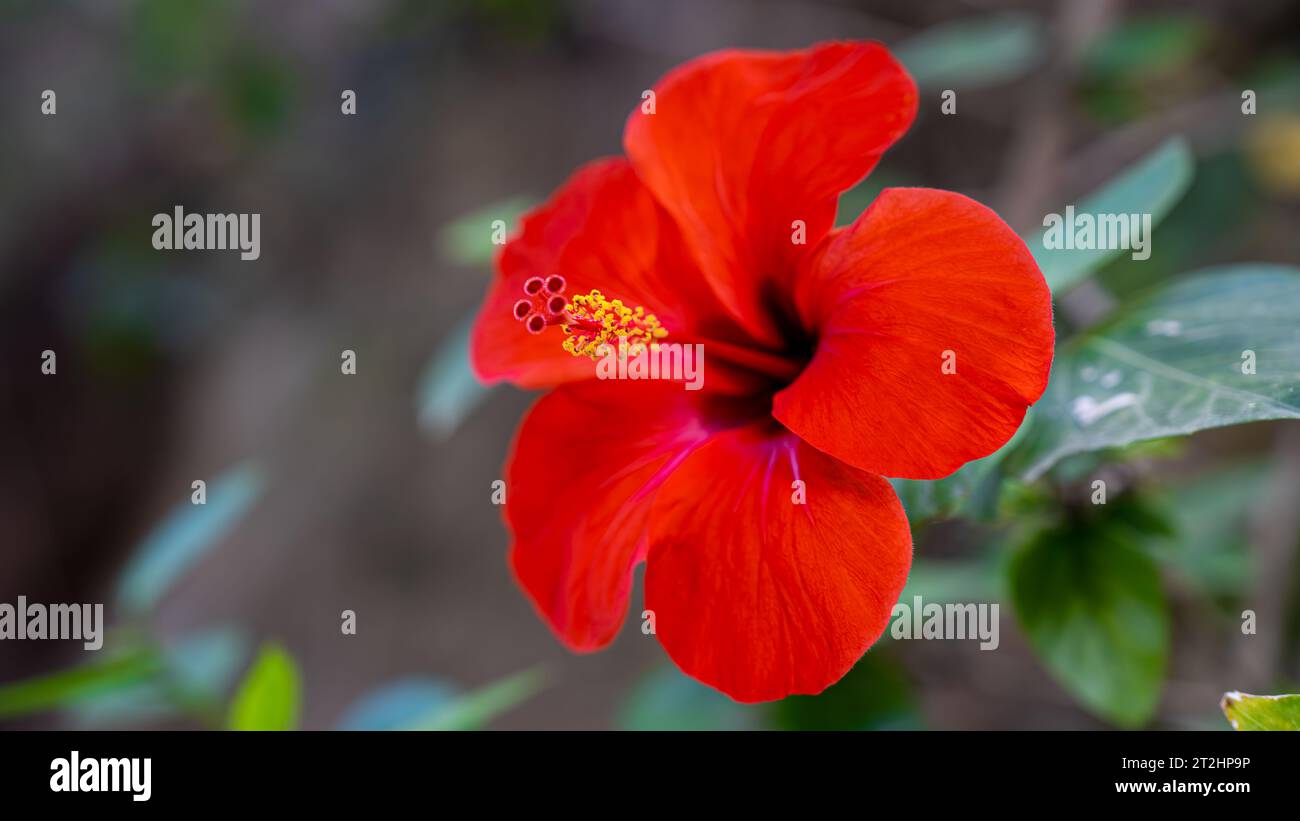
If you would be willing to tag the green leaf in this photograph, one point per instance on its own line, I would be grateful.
(258, 93)
(475, 710)
(192, 676)
(270, 696)
(467, 240)
(398, 704)
(1147, 45)
(952, 581)
(1153, 185)
(857, 199)
(973, 53)
(1091, 604)
(170, 41)
(669, 700)
(185, 535)
(1172, 365)
(972, 490)
(1247, 712)
(874, 695)
(67, 688)
(449, 391)
(1210, 516)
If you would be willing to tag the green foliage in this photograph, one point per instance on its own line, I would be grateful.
(1090, 600)
(1153, 185)
(397, 704)
(449, 392)
(258, 93)
(1209, 514)
(185, 536)
(191, 678)
(1219, 204)
(69, 687)
(1130, 70)
(472, 711)
(1247, 712)
(875, 695)
(942, 582)
(972, 490)
(1172, 364)
(974, 53)
(172, 40)
(270, 696)
(668, 700)
(1147, 45)
(467, 240)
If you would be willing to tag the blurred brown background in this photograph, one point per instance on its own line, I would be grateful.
(178, 366)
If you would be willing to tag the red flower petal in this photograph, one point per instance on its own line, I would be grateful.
(760, 597)
(920, 273)
(585, 465)
(743, 143)
(602, 229)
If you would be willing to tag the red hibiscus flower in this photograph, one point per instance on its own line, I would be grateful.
(904, 345)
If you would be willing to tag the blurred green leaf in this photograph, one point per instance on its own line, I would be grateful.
(1147, 45)
(270, 696)
(1210, 514)
(475, 710)
(173, 40)
(193, 674)
(1172, 364)
(1092, 606)
(669, 700)
(972, 490)
(944, 582)
(449, 391)
(185, 535)
(1220, 203)
(258, 93)
(874, 695)
(1150, 186)
(467, 240)
(1247, 712)
(66, 688)
(857, 199)
(398, 704)
(973, 53)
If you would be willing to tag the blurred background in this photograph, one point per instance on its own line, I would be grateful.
(371, 492)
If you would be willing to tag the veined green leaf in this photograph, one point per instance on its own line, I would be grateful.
(1153, 185)
(1173, 364)
(1247, 712)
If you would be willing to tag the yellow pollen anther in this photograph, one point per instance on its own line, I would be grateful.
(591, 321)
